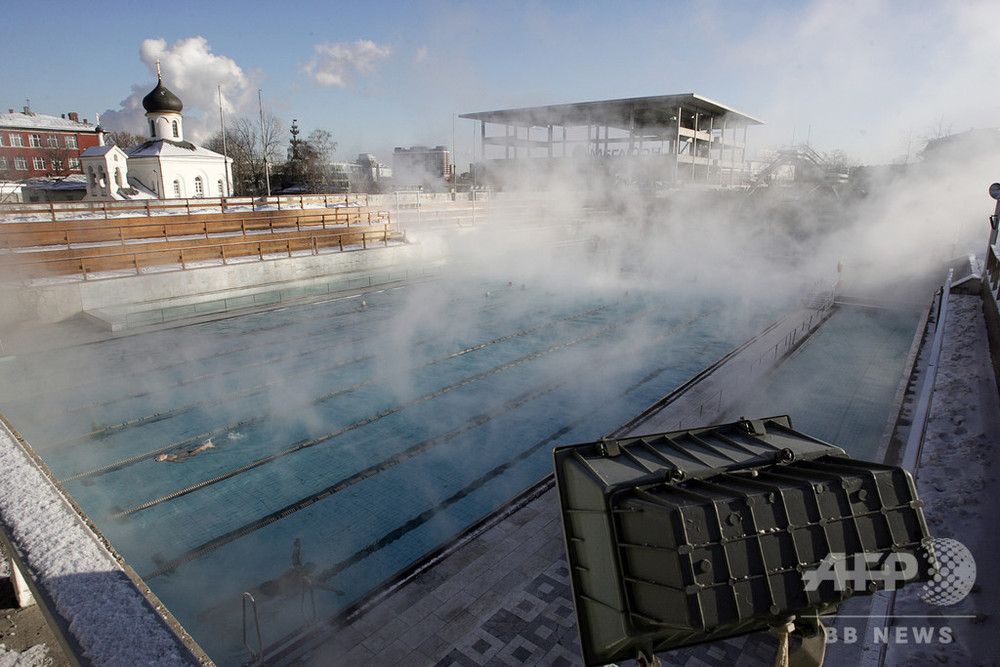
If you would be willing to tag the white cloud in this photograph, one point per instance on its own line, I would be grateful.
(340, 64)
(192, 72)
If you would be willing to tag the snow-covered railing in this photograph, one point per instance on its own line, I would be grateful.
(992, 274)
(99, 610)
(82, 210)
(991, 304)
(922, 409)
(31, 235)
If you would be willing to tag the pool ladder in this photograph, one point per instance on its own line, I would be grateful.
(256, 657)
(310, 616)
(310, 587)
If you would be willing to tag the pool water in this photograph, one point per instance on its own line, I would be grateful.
(373, 427)
(841, 384)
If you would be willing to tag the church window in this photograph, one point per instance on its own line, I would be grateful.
(91, 179)
(221, 190)
(199, 187)
(176, 132)
(152, 128)
(177, 188)
(118, 177)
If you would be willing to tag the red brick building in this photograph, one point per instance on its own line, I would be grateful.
(34, 145)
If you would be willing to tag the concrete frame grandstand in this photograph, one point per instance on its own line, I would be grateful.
(666, 140)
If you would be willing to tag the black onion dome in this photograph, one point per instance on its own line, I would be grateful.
(162, 100)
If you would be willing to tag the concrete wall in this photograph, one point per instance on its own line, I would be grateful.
(58, 301)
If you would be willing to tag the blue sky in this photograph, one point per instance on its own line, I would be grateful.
(871, 78)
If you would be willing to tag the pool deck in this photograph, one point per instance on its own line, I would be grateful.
(503, 597)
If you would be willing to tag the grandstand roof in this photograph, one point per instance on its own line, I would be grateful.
(629, 113)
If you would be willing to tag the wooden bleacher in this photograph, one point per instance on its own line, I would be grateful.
(33, 249)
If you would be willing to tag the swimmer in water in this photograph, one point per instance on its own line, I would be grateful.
(183, 456)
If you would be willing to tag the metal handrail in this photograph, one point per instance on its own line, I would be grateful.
(258, 655)
(310, 587)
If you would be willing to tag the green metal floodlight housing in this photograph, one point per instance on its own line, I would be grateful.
(691, 536)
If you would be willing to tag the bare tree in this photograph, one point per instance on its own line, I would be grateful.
(10, 176)
(322, 144)
(250, 153)
(937, 131)
(837, 158)
(123, 139)
(57, 157)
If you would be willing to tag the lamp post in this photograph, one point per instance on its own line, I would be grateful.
(995, 193)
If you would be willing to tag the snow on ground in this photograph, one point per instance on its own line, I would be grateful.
(101, 608)
(957, 481)
(36, 656)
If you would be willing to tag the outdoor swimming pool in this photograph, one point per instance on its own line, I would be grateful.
(373, 427)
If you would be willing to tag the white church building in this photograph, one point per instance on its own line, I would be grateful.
(165, 166)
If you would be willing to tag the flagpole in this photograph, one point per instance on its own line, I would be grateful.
(267, 175)
(225, 149)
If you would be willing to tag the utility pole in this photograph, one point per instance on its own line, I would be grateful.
(263, 142)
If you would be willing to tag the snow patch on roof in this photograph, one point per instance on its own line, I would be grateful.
(164, 147)
(40, 121)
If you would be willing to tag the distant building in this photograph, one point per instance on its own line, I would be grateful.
(165, 166)
(423, 167)
(968, 145)
(372, 176)
(663, 141)
(38, 147)
(365, 174)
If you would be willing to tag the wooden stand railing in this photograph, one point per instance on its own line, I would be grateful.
(33, 250)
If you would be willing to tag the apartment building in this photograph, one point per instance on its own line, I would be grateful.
(34, 145)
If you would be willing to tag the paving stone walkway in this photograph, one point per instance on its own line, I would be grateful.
(502, 599)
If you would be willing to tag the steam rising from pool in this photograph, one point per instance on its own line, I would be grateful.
(375, 426)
